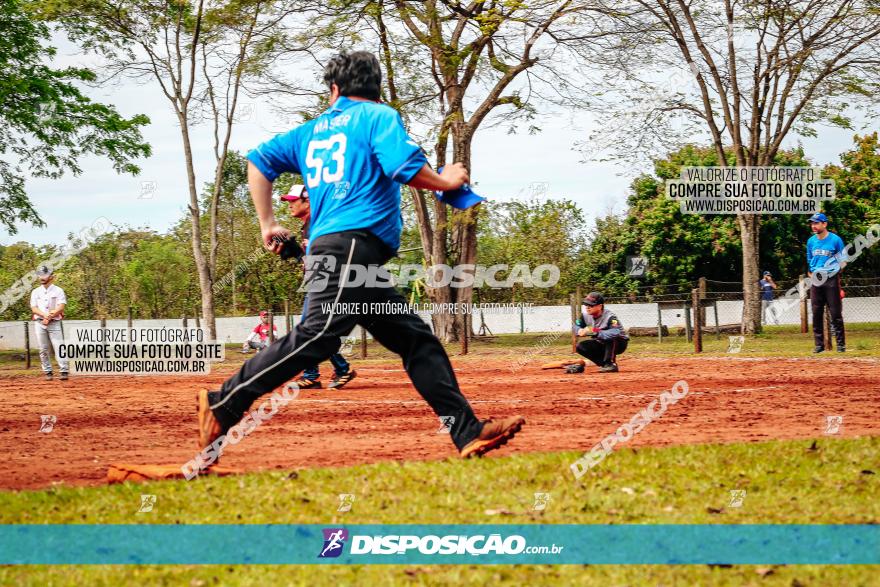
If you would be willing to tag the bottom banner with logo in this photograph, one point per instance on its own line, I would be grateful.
(440, 544)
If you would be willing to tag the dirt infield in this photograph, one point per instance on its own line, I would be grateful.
(380, 417)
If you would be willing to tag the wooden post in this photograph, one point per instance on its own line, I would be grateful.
(717, 326)
(701, 284)
(184, 320)
(198, 320)
(363, 342)
(687, 321)
(659, 323)
(464, 334)
(27, 346)
(129, 316)
(103, 323)
(805, 320)
(698, 321)
(271, 327)
(574, 340)
(287, 316)
(827, 329)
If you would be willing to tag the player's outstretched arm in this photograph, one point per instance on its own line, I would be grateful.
(261, 194)
(452, 177)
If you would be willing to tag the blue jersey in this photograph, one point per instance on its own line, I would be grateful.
(766, 289)
(353, 158)
(825, 254)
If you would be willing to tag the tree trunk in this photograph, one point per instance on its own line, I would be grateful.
(751, 317)
(205, 281)
(436, 250)
(450, 326)
(444, 323)
(465, 228)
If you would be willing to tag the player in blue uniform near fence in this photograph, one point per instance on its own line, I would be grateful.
(768, 312)
(825, 254)
(354, 158)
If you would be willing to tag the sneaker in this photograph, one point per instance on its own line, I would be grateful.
(339, 381)
(49, 376)
(304, 383)
(64, 376)
(840, 349)
(495, 433)
(209, 428)
(609, 368)
(818, 349)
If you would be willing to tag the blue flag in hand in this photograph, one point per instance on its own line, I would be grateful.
(461, 198)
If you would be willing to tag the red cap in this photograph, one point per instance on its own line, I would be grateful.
(264, 313)
(296, 192)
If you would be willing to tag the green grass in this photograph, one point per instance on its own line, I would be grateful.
(444, 575)
(863, 340)
(785, 482)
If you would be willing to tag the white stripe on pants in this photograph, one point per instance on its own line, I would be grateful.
(46, 335)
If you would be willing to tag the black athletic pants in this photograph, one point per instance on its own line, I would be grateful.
(602, 352)
(827, 294)
(317, 336)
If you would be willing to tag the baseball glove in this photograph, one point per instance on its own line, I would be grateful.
(576, 368)
(120, 473)
(290, 249)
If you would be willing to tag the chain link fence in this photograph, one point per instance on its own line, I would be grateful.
(650, 310)
(861, 301)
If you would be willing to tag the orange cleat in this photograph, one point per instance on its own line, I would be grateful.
(495, 433)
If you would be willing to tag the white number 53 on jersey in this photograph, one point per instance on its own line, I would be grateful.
(326, 160)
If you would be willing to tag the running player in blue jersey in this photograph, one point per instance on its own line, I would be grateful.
(354, 158)
(825, 251)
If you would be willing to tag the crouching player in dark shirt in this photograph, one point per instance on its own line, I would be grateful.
(607, 336)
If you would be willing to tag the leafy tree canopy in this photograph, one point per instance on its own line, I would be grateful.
(46, 123)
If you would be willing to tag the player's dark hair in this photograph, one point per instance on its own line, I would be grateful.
(356, 74)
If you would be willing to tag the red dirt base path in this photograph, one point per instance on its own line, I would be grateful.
(380, 416)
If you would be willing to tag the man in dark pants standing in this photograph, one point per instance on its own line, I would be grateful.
(824, 253)
(353, 158)
(299, 207)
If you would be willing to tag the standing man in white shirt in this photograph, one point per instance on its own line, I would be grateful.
(47, 304)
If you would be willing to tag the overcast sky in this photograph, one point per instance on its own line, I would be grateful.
(504, 166)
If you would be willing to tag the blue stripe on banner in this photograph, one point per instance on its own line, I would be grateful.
(440, 544)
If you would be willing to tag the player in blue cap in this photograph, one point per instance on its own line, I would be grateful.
(825, 251)
(767, 286)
